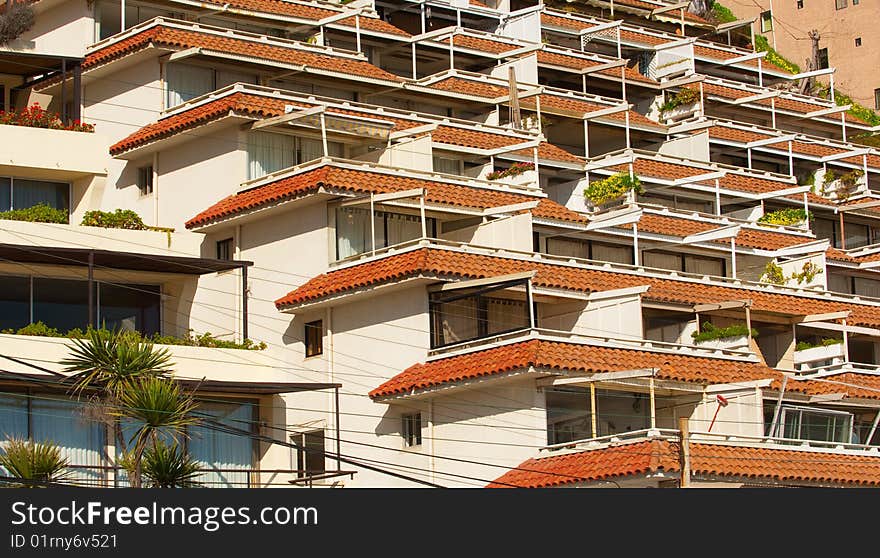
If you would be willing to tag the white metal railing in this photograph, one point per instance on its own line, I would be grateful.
(716, 438)
(560, 336)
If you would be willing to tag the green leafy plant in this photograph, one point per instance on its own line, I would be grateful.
(763, 45)
(710, 332)
(722, 14)
(804, 345)
(513, 170)
(38, 329)
(40, 213)
(685, 96)
(786, 217)
(773, 274)
(119, 219)
(34, 463)
(613, 187)
(861, 112)
(166, 466)
(808, 272)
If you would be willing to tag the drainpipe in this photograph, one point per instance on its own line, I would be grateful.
(685, 453)
(774, 426)
(594, 426)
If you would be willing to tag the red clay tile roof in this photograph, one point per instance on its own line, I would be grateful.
(735, 134)
(162, 36)
(364, 181)
(550, 152)
(851, 384)
(305, 11)
(569, 357)
(648, 168)
(782, 103)
(577, 63)
(747, 237)
(469, 87)
(705, 51)
(557, 21)
(480, 44)
(711, 460)
(573, 106)
(451, 264)
(257, 106)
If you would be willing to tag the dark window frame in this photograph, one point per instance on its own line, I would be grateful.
(411, 429)
(313, 338)
(309, 460)
(225, 249)
(145, 180)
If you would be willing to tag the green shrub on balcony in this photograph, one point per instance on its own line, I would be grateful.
(773, 274)
(685, 96)
(119, 219)
(39, 329)
(40, 213)
(786, 217)
(710, 332)
(804, 345)
(613, 187)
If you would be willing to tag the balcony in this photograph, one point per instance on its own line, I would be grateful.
(53, 154)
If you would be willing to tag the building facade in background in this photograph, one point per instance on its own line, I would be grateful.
(849, 40)
(482, 244)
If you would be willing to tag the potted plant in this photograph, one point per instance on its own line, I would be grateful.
(734, 337)
(787, 217)
(829, 350)
(612, 190)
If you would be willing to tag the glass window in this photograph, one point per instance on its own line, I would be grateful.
(827, 228)
(5, 194)
(354, 230)
(568, 415)
(145, 180)
(412, 429)
(801, 423)
(611, 253)
(131, 307)
(823, 58)
(13, 416)
(662, 260)
(269, 152)
(225, 249)
(228, 456)
(447, 166)
(184, 82)
(840, 283)
(310, 453)
(67, 423)
(314, 338)
(866, 287)
(800, 4)
(839, 4)
(704, 266)
(619, 411)
(877, 99)
(568, 247)
(61, 303)
(15, 302)
(858, 41)
(767, 21)
(28, 193)
(465, 314)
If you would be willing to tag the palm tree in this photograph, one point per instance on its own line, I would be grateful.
(34, 463)
(168, 466)
(159, 407)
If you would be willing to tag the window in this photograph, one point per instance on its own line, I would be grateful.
(569, 413)
(766, 21)
(145, 180)
(877, 99)
(225, 249)
(21, 193)
(839, 4)
(447, 166)
(186, 81)
(800, 4)
(224, 444)
(2, 97)
(314, 338)
(855, 2)
(309, 453)
(268, 152)
(464, 314)
(63, 304)
(684, 262)
(823, 425)
(823, 58)
(858, 41)
(354, 230)
(412, 429)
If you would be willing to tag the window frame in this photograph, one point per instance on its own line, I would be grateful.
(840, 4)
(226, 244)
(801, 410)
(145, 180)
(12, 180)
(766, 21)
(313, 347)
(411, 429)
(877, 99)
(800, 4)
(823, 62)
(300, 440)
(858, 42)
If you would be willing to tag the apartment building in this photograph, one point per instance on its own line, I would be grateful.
(848, 41)
(482, 244)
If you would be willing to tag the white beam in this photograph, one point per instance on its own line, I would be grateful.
(831, 326)
(618, 293)
(598, 377)
(805, 248)
(743, 58)
(734, 25)
(874, 202)
(729, 231)
(846, 155)
(771, 141)
(511, 208)
(485, 281)
(615, 218)
(814, 73)
(700, 308)
(289, 117)
(601, 27)
(606, 111)
(699, 178)
(822, 317)
(826, 112)
(670, 8)
(425, 128)
(603, 67)
(755, 98)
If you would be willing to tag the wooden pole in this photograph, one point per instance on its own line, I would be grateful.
(685, 453)
(593, 422)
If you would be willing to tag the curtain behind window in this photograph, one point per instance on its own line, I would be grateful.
(402, 228)
(613, 254)
(505, 315)
(704, 266)
(568, 248)
(184, 82)
(28, 193)
(224, 450)
(352, 231)
(268, 153)
(81, 438)
(661, 260)
(13, 417)
(458, 321)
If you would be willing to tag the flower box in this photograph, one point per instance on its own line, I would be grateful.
(833, 353)
(740, 343)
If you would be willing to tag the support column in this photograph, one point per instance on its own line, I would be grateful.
(594, 425)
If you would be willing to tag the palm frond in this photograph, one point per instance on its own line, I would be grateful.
(158, 405)
(35, 463)
(111, 360)
(168, 466)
